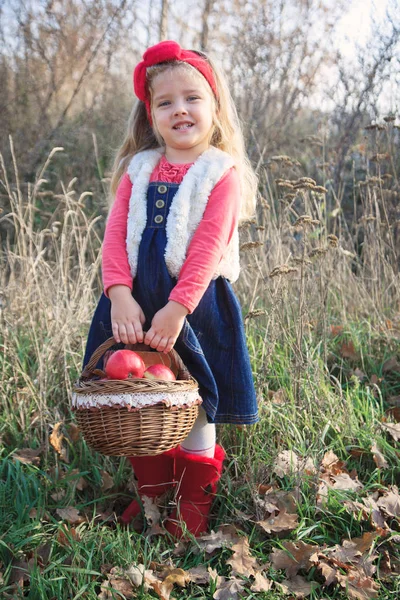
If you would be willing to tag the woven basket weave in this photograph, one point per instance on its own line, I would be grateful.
(167, 412)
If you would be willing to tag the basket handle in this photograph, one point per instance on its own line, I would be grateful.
(89, 370)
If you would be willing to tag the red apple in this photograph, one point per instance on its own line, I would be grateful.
(123, 364)
(159, 371)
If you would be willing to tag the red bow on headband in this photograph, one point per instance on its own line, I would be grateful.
(164, 52)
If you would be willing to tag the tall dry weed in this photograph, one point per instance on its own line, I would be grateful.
(49, 279)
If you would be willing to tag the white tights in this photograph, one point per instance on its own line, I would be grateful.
(201, 439)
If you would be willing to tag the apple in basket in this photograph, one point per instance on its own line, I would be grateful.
(159, 371)
(123, 364)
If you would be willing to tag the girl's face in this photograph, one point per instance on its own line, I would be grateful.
(182, 108)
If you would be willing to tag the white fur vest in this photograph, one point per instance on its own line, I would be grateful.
(186, 211)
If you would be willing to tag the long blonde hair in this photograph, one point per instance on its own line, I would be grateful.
(227, 134)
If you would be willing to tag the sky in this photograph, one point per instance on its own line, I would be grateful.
(355, 25)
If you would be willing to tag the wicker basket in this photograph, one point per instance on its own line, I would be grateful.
(135, 417)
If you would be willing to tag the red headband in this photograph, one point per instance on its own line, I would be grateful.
(165, 52)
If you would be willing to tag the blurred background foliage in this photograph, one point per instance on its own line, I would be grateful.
(65, 80)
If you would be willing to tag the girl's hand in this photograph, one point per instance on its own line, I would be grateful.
(166, 326)
(127, 318)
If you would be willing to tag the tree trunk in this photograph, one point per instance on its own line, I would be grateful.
(204, 31)
(164, 21)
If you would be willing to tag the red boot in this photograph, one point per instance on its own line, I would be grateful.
(155, 476)
(196, 478)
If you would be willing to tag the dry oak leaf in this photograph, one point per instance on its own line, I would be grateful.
(328, 572)
(21, 571)
(261, 583)
(118, 582)
(393, 429)
(378, 457)
(286, 463)
(200, 575)
(282, 522)
(228, 590)
(343, 481)
(107, 482)
(242, 562)
(164, 588)
(298, 586)
(392, 364)
(28, 455)
(357, 586)
(74, 432)
(294, 557)
(347, 350)
(225, 536)
(331, 463)
(278, 500)
(390, 502)
(151, 510)
(56, 440)
(80, 483)
(137, 575)
(70, 514)
(351, 550)
(65, 534)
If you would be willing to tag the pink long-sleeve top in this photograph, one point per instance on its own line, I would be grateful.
(205, 249)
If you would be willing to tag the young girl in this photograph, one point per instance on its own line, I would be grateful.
(171, 248)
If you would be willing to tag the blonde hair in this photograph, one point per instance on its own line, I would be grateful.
(227, 134)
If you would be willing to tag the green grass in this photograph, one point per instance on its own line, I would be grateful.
(70, 562)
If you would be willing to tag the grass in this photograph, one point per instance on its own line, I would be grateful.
(319, 389)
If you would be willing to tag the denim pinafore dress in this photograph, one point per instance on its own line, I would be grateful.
(212, 342)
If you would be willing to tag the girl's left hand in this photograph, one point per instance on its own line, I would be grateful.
(166, 326)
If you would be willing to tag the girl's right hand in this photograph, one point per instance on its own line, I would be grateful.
(127, 317)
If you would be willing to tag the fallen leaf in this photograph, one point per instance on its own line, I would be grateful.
(328, 572)
(118, 582)
(228, 590)
(358, 587)
(28, 455)
(279, 397)
(151, 510)
(347, 350)
(56, 440)
(393, 429)
(331, 463)
(261, 583)
(225, 536)
(136, 574)
(392, 364)
(378, 457)
(359, 374)
(294, 557)
(390, 502)
(65, 534)
(282, 522)
(74, 432)
(285, 464)
(242, 562)
(107, 482)
(70, 514)
(298, 586)
(393, 414)
(343, 481)
(199, 575)
(336, 330)
(21, 571)
(58, 495)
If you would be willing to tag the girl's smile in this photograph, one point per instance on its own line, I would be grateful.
(182, 107)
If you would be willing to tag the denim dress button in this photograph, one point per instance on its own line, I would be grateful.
(158, 219)
(160, 203)
(162, 189)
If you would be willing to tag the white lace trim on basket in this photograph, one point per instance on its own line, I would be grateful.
(136, 400)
